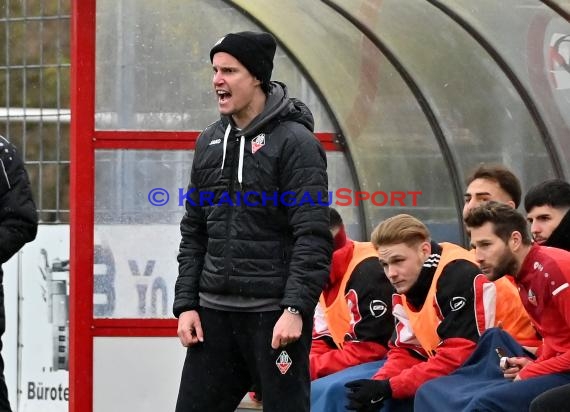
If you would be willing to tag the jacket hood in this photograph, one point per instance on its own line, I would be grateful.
(560, 237)
(296, 110)
(278, 107)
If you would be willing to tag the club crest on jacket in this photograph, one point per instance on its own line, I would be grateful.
(257, 142)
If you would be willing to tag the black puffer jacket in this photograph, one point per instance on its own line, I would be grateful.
(254, 227)
(18, 216)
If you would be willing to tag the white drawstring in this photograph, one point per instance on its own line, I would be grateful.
(241, 152)
(240, 163)
(226, 135)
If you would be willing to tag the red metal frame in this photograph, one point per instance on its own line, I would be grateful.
(164, 140)
(84, 141)
(81, 205)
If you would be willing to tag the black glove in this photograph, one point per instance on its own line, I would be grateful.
(367, 395)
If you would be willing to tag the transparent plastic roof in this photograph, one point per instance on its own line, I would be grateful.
(424, 91)
(420, 91)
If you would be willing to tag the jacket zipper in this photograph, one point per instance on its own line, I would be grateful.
(228, 257)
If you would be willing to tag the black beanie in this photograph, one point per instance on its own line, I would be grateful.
(254, 50)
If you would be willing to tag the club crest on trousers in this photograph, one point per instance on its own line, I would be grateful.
(283, 362)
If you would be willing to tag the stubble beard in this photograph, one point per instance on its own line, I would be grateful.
(507, 266)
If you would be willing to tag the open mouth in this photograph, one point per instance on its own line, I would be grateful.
(223, 96)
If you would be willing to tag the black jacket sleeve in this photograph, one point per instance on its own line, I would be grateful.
(303, 172)
(456, 301)
(373, 293)
(18, 215)
(192, 250)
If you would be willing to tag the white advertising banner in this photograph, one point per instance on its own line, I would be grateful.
(43, 337)
(135, 269)
(10, 337)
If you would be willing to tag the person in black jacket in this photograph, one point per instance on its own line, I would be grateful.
(256, 246)
(18, 225)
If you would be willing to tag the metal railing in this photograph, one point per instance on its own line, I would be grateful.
(34, 96)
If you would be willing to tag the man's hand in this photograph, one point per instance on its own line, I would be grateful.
(367, 395)
(190, 328)
(513, 366)
(287, 330)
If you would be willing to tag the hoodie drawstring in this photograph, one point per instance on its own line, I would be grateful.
(240, 163)
(241, 152)
(226, 135)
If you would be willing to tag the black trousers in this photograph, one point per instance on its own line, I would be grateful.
(553, 400)
(236, 353)
(4, 402)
